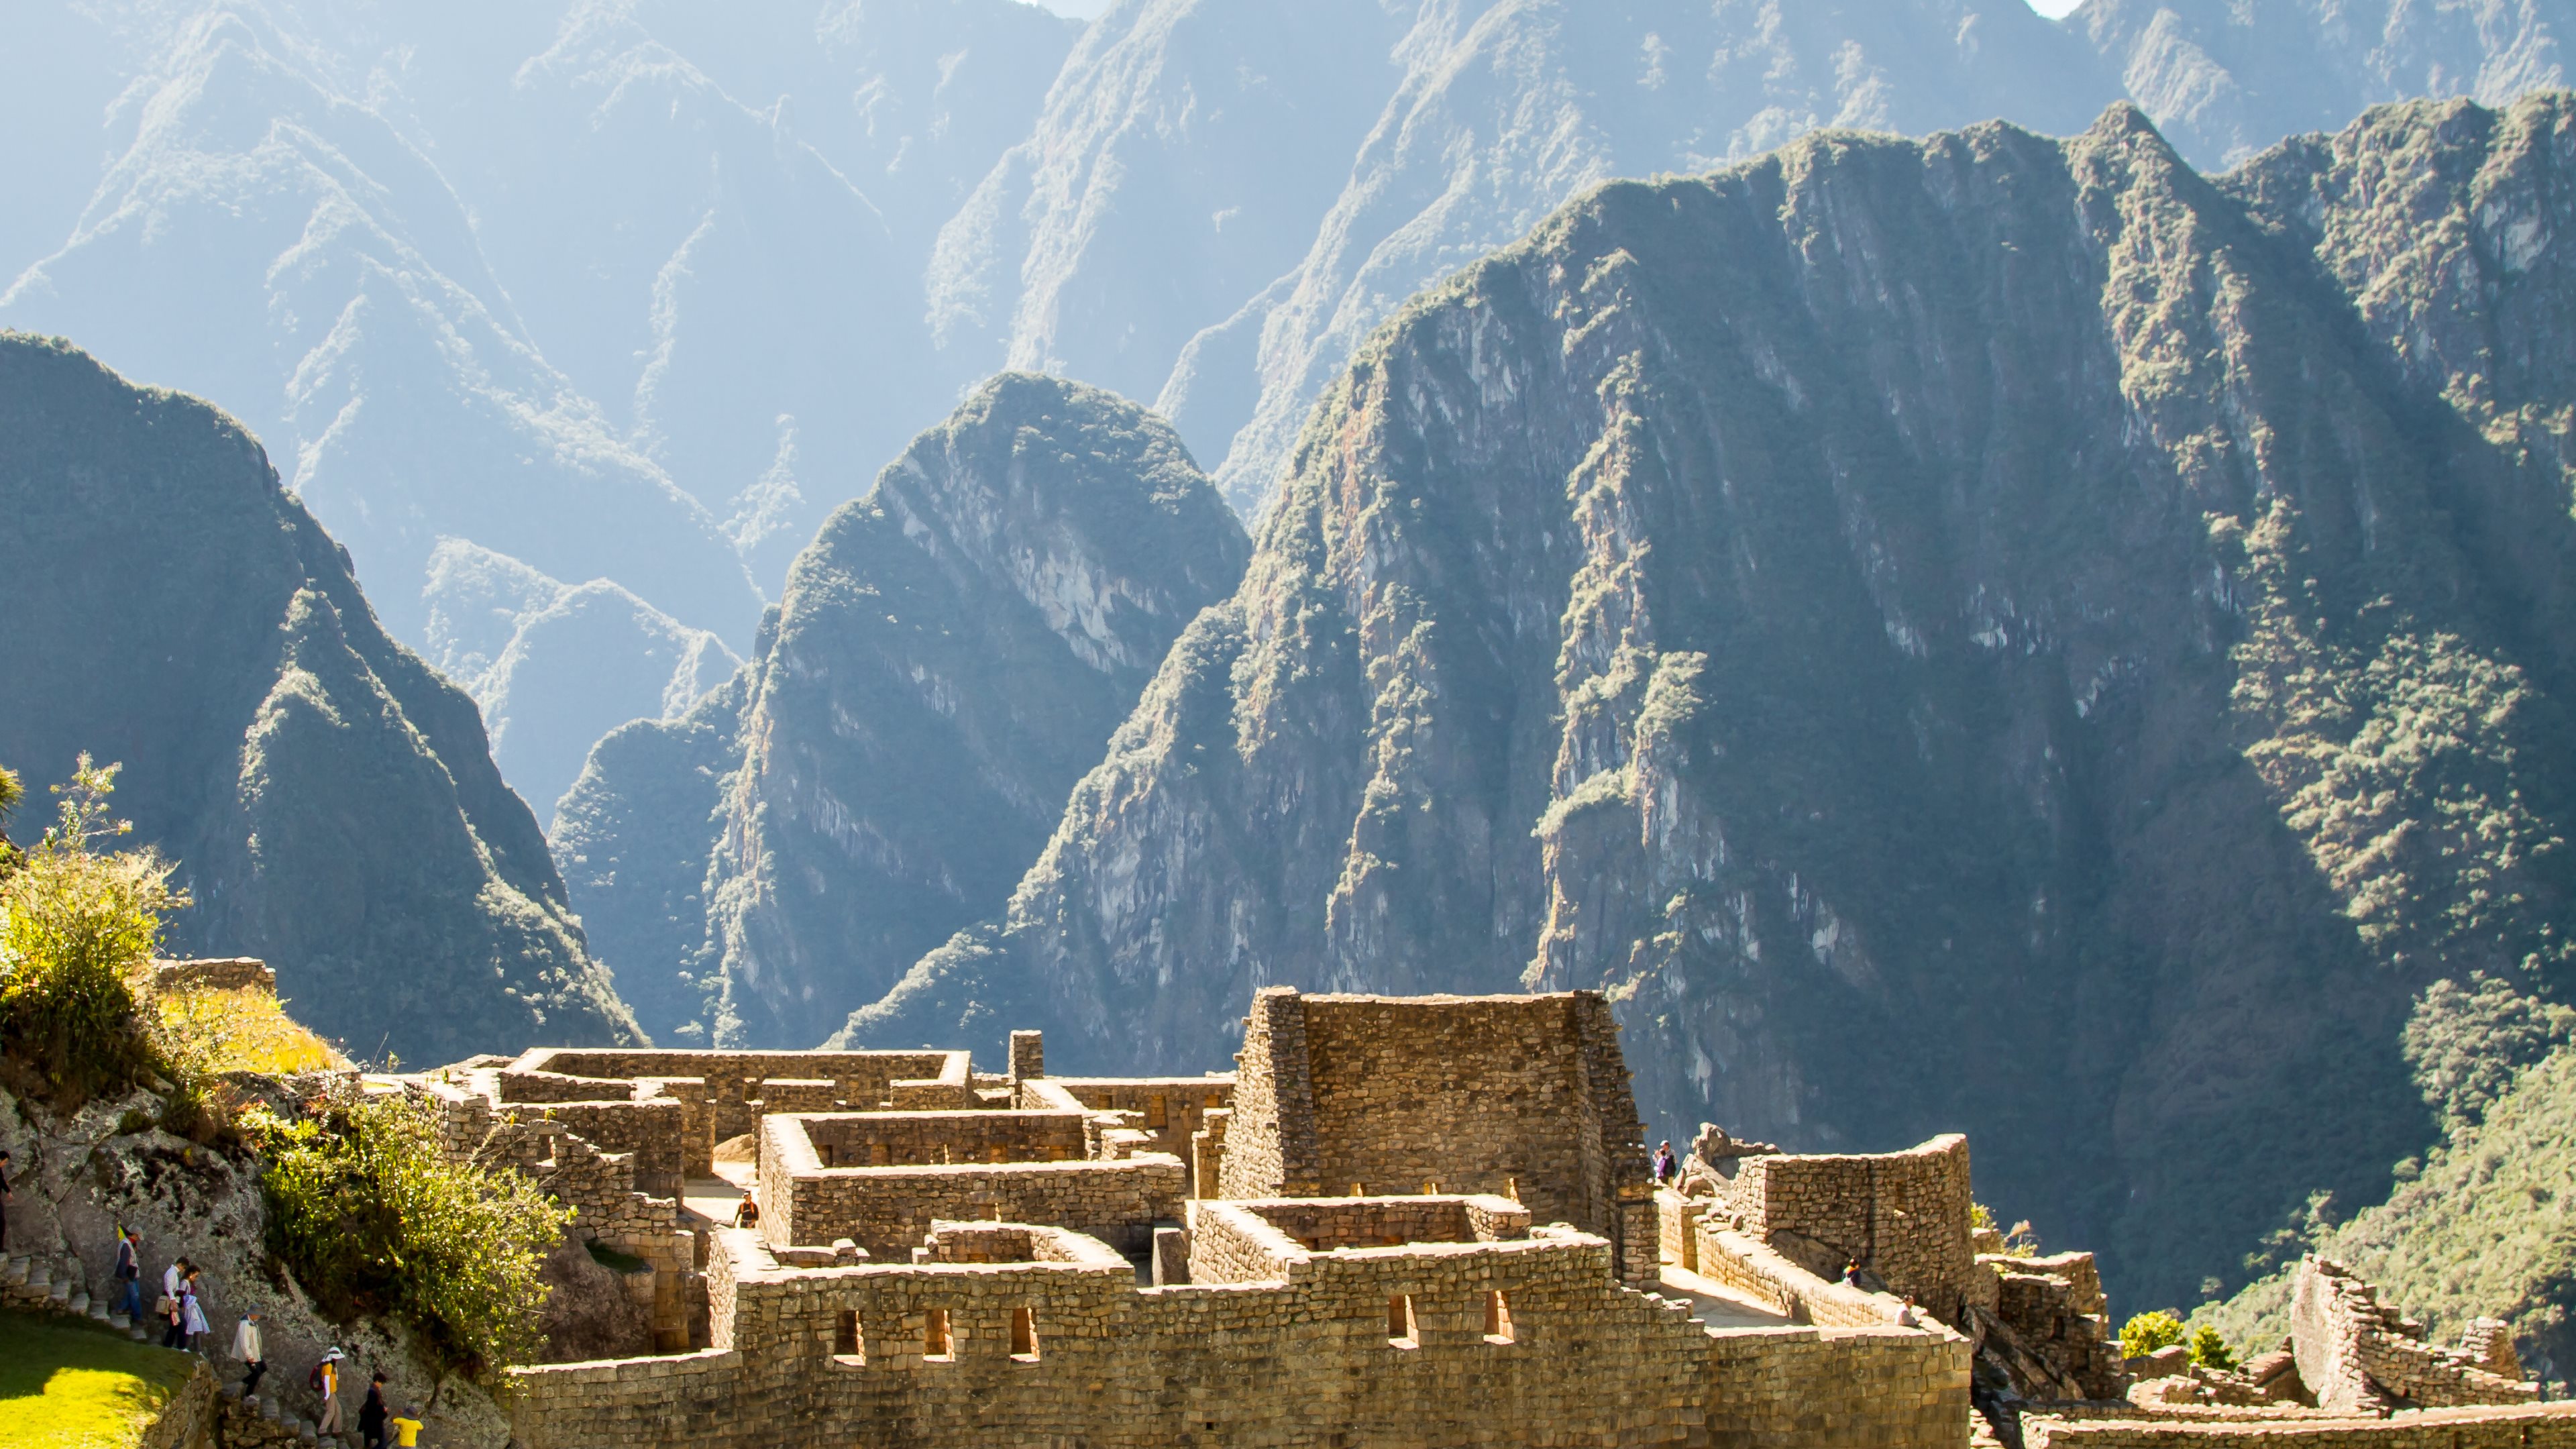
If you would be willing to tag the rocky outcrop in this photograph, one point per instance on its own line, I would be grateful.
(1987, 633)
(328, 797)
(950, 654)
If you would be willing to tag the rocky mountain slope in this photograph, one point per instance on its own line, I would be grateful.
(640, 292)
(951, 652)
(328, 796)
(1985, 633)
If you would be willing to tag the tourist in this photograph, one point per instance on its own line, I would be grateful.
(174, 1316)
(170, 1277)
(252, 1351)
(325, 1380)
(192, 1313)
(371, 1414)
(406, 1429)
(1664, 1164)
(1851, 1273)
(747, 1215)
(129, 1275)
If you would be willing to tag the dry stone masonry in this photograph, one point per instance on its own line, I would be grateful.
(1401, 1221)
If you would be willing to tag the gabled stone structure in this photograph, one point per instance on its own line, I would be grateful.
(1525, 1096)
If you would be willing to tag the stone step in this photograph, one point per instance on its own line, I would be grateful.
(14, 1271)
(61, 1293)
(40, 1274)
(77, 1300)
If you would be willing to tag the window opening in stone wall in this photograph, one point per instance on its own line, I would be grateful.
(936, 1341)
(1356, 1192)
(1400, 1328)
(826, 1150)
(847, 1344)
(1498, 1318)
(1024, 1335)
(1430, 1189)
(880, 1154)
(1158, 1112)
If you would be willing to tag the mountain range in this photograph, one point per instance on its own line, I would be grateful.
(639, 292)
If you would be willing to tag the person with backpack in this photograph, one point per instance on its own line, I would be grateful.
(251, 1349)
(371, 1414)
(129, 1275)
(325, 1380)
(1665, 1165)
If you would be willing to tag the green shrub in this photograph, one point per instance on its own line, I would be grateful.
(373, 1220)
(2147, 1332)
(76, 924)
(2209, 1349)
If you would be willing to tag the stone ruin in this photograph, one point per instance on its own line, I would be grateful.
(2357, 1354)
(1415, 1221)
(1421, 1221)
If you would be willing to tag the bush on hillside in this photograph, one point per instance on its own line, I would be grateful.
(2147, 1332)
(374, 1221)
(77, 922)
(2209, 1349)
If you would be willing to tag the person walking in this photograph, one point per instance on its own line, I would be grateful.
(129, 1275)
(371, 1414)
(192, 1313)
(174, 1318)
(1664, 1164)
(326, 1377)
(251, 1348)
(406, 1429)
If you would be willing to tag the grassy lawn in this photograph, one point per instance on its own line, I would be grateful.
(68, 1387)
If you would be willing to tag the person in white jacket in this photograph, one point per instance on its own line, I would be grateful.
(252, 1353)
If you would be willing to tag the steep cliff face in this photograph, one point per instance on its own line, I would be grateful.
(1989, 633)
(951, 652)
(328, 796)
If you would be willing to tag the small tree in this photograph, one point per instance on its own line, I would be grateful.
(2209, 1349)
(76, 922)
(11, 792)
(2147, 1332)
(373, 1219)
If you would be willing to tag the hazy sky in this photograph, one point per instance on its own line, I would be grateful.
(1085, 9)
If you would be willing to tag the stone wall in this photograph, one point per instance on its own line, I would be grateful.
(1873, 1387)
(214, 973)
(1902, 1215)
(1170, 1111)
(1764, 1274)
(1324, 1224)
(2536, 1426)
(2359, 1355)
(913, 1139)
(1522, 1096)
(737, 1087)
(1306, 1362)
(888, 1210)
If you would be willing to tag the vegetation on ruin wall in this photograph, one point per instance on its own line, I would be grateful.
(375, 1221)
(77, 922)
(363, 1208)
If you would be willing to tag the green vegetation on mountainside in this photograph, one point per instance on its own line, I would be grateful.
(1987, 633)
(331, 800)
(76, 1386)
(950, 653)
